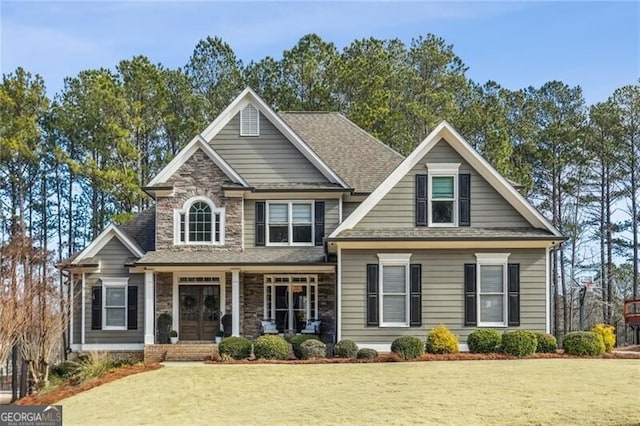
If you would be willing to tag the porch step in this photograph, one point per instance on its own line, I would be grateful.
(180, 352)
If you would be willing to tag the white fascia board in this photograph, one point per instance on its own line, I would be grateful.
(445, 131)
(249, 96)
(102, 240)
(192, 147)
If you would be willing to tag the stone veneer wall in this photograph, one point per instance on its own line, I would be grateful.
(198, 176)
(164, 296)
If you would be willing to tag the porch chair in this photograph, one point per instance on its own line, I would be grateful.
(312, 327)
(268, 326)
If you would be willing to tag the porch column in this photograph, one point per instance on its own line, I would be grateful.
(149, 329)
(235, 302)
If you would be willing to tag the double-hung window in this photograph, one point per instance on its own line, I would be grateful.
(443, 194)
(492, 289)
(290, 223)
(114, 305)
(394, 290)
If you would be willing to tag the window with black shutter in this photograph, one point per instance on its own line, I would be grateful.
(421, 200)
(415, 302)
(319, 222)
(96, 307)
(260, 223)
(464, 199)
(470, 317)
(513, 276)
(132, 307)
(372, 294)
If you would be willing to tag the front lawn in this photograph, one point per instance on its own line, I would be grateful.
(534, 391)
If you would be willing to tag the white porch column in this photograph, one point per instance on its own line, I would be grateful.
(149, 329)
(235, 302)
(82, 311)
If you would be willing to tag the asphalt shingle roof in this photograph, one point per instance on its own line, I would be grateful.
(279, 256)
(142, 229)
(460, 233)
(361, 160)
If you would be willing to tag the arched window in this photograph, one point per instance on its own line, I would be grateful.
(200, 222)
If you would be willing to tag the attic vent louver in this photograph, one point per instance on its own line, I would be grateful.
(249, 121)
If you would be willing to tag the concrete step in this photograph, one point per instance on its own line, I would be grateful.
(180, 352)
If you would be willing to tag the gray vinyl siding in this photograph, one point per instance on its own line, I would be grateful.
(348, 208)
(331, 218)
(488, 208)
(268, 158)
(112, 259)
(442, 292)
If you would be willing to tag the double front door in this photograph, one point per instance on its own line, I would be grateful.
(199, 312)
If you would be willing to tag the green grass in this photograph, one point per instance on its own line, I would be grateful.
(542, 391)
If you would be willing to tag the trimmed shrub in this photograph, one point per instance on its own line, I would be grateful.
(519, 343)
(313, 348)
(235, 347)
(367, 353)
(484, 341)
(583, 343)
(271, 347)
(547, 343)
(441, 340)
(346, 349)
(608, 333)
(408, 347)
(64, 370)
(298, 340)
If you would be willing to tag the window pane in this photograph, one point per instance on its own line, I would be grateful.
(115, 317)
(302, 233)
(393, 279)
(200, 222)
(442, 187)
(442, 211)
(394, 309)
(301, 213)
(278, 234)
(115, 296)
(491, 308)
(491, 279)
(278, 213)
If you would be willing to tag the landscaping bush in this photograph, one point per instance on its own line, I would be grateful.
(313, 348)
(583, 343)
(235, 348)
(519, 343)
(608, 333)
(484, 341)
(298, 340)
(271, 347)
(441, 340)
(547, 343)
(367, 353)
(90, 365)
(408, 347)
(64, 370)
(346, 349)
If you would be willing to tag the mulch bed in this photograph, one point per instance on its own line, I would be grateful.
(67, 389)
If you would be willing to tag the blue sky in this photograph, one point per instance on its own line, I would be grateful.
(592, 44)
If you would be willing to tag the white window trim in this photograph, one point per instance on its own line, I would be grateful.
(290, 223)
(393, 259)
(257, 133)
(269, 281)
(492, 259)
(185, 210)
(114, 282)
(443, 170)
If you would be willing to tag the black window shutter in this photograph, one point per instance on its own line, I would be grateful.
(421, 200)
(132, 307)
(96, 307)
(415, 304)
(464, 199)
(372, 294)
(319, 222)
(470, 316)
(514, 293)
(260, 223)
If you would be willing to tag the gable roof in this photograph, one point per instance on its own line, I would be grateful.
(445, 131)
(105, 236)
(142, 229)
(249, 96)
(360, 159)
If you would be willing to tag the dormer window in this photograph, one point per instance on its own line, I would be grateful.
(199, 222)
(249, 121)
(443, 194)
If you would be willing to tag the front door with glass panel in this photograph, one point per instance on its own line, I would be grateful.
(199, 312)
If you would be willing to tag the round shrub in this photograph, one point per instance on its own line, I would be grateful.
(271, 347)
(547, 343)
(519, 343)
(367, 353)
(235, 347)
(441, 341)
(608, 333)
(313, 348)
(298, 340)
(408, 347)
(583, 343)
(346, 349)
(484, 341)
